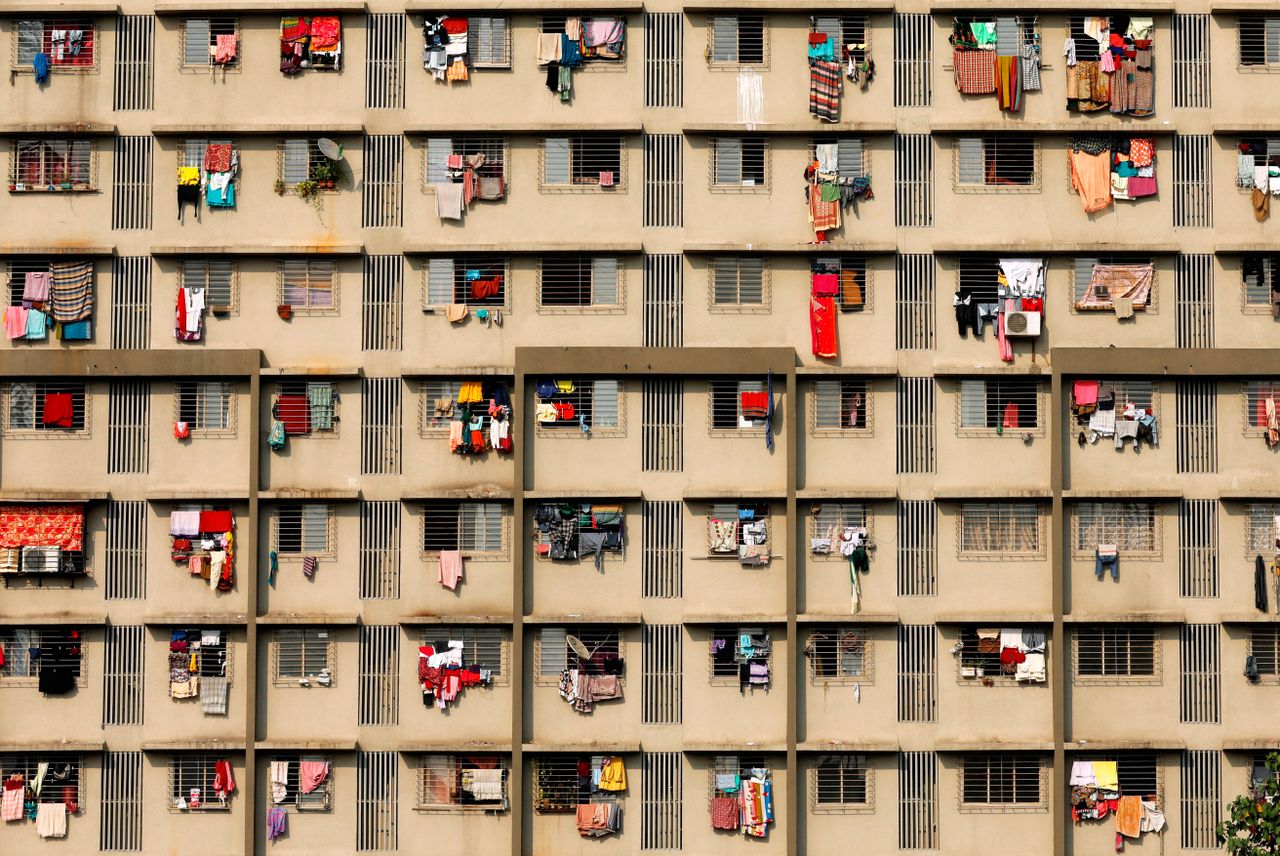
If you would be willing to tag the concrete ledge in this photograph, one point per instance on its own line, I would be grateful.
(39, 495)
(83, 129)
(70, 619)
(1044, 5)
(784, 6)
(458, 746)
(608, 746)
(833, 494)
(1121, 493)
(173, 619)
(1136, 127)
(260, 250)
(1244, 745)
(946, 745)
(805, 128)
(1246, 128)
(413, 620)
(474, 492)
(310, 371)
(956, 493)
(994, 617)
(61, 250)
(1035, 371)
(1125, 618)
(523, 6)
(833, 248)
(738, 746)
(1250, 618)
(458, 371)
(847, 746)
(1108, 745)
(211, 744)
(570, 494)
(1188, 362)
(54, 746)
(315, 493)
(332, 619)
(176, 7)
(870, 371)
(583, 618)
(180, 494)
(748, 495)
(317, 745)
(847, 618)
(332, 129)
(1093, 248)
(522, 249)
(689, 362)
(513, 128)
(735, 618)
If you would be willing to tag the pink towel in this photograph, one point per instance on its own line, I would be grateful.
(450, 569)
(1085, 392)
(12, 809)
(311, 774)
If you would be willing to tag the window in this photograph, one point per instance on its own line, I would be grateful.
(217, 277)
(561, 530)
(559, 789)
(980, 657)
(851, 154)
(303, 528)
(739, 282)
(212, 653)
(307, 408)
(1012, 32)
(200, 41)
(472, 527)
(997, 162)
(579, 281)
(1259, 42)
(469, 280)
(840, 783)
(1115, 651)
(838, 655)
(741, 656)
(1001, 527)
(999, 404)
(738, 405)
(841, 405)
(611, 52)
(36, 549)
(1137, 773)
(1256, 395)
(62, 781)
(1098, 280)
(52, 165)
(1259, 279)
(60, 648)
(1132, 526)
(737, 40)
(559, 648)
(488, 42)
(320, 798)
(847, 31)
(45, 406)
(724, 769)
(308, 285)
(854, 294)
(1261, 532)
(597, 404)
(493, 150)
(482, 647)
(206, 406)
(727, 540)
(191, 779)
(582, 162)
(439, 403)
(303, 655)
(827, 522)
(302, 160)
(70, 43)
(463, 782)
(739, 162)
(1264, 646)
(1001, 779)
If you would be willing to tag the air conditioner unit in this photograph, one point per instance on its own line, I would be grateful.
(1022, 324)
(40, 560)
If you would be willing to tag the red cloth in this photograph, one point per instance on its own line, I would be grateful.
(57, 409)
(223, 780)
(1011, 656)
(724, 813)
(325, 30)
(1011, 415)
(755, 405)
(455, 26)
(826, 284)
(296, 31)
(295, 413)
(1032, 304)
(59, 526)
(484, 288)
(822, 327)
(216, 521)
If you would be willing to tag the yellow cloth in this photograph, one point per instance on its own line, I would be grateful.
(455, 312)
(1105, 773)
(469, 392)
(188, 175)
(564, 386)
(613, 776)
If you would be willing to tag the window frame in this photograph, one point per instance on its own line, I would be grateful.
(991, 154)
(732, 266)
(312, 273)
(1111, 530)
(286, 152)
(588, 633)
(866, 672)
(28, 763)
(473, 26)
(1257, 642)
(848, 389)
(493, 265)
(331, 536)
(1116, 667)
(423, 769)
(858, 514)
(844, 764)
(1253, 393)
(1259, 528)
(575, 148)
(308, 639)
(218, 26)
(745, 159)
(37, 429)
(472, 647)
(717, 389)
(460, 508)
(466, 144)
(74, 146)
(1263, 22)
(570, 429)
(204, 270)
(188, 770)
(42, 636)
(979, 769)
(1009, 515)
(588, 267)
(736, 62)
(997, 393)
(1080, 285)
(295, 803)
(195, 397)
(21, 63)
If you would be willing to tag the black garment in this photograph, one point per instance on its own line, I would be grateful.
(553, 76)
(189, 193)
(1251, 668)
(56, 680)
(966, 313)
(613, 665)
(1260, 584)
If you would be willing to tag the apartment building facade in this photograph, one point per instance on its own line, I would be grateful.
(336, 358)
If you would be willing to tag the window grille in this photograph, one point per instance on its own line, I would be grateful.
(583, 163)
(580, 281)
(200, 41)
(438, 149)
(586, 516)
(663, 300)
(434, 421)
(381, 188)
(841, 405)
(912, 58)
(64, 781)
(18, 269)
(917, 521)
(1132, 526)
(1106, 652)
(125, 559)
(206, 406)
(128, 426)
(1012, 32)
(52, 165)
(914, 310)
(1264, 647)
(557, 787)
(999, 404)
(918, 796)
(1263, 150)
(916, 405)
(120, 828)
(384, 62)
(1003, 162)
(1138, 773)
(298, 159)
(489, 42)
(1198, 548)
(213, 658)
(1258, 39)
(218, 277)
(320, 799)
(847, 31)
(1001, 779)
(917, 673)
(664, 60)
(476, 528)
(1200, 655)
(591, 57)
(379, 676)
(840, 784)
(739, 282)
(978, 661)
(727, 653)
(379, 549)
(662, 684)
(1256, 395)
(308, 285)
(39, 406)
(1192, 181)
(829, 519)
(382, 322)
(746, 512)
(978, 275)
(131, 165)
(598, 403)
(191, 778)
(122, 675)
(727, 411)
(1262, 532)
(663, 176)
(553, 654)
(1000, 528)
(839, 655)
(193, 151)
(739, 162)
(303, 656)
(662, 425)
(1192, 69)
(1258, 772)
(744, 766)
(1259, 279)
(1201, 774)
(855, 280)
(483, 647)
(662, 801)
(1082, 273)
(130, 302)
(37, 36)
(447, 783)
(737, 40)
(303, 528)
(1143, 394)
(1193, 286)
(380, 420)
(468, 280)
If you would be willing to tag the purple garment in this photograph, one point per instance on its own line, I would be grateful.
(35, 286)
(277, 823)
(602, 31)
(1139, 186)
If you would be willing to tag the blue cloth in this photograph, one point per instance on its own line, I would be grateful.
(825, 51)
(37, 325)
(1101, 564)
(225, 198)
(76, 330)
(570, 52)
(40, 62)
(768, 423)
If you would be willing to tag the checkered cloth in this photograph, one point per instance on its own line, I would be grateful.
(975, 71)
(213, 695)
(824, 90)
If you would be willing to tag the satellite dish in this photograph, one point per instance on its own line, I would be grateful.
(329, 148)
(578, 648)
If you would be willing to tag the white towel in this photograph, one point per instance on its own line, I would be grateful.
(279, 781)
(449, 201)
(51, 820)
(750, 98)
(184, 523)
(1082, 773)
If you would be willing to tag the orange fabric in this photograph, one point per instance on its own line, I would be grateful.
(1091, 177)
(1129, 817)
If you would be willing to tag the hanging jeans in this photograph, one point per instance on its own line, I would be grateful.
(1104, 561)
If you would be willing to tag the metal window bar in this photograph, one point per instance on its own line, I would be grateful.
(917, 673)
(578, 280)
(840, 784)
(760, 512)
(582, 162)
(727, 414)
(1012, 31)
(662, 673)
(432, 421)
(382, 304)
(205, 405)
(213, 660)
(556, 24)
(1259, 279)
(298, 159)
(828, 520)
(662, 801)
(1004, 161)
(128, 422)
(471, 280)
(130, 302)
(303, 654)
(978, 275)
(851, 153)
(1201, 798)
(122, 675)
(382, 188)
(438, 150)
(1192, 181)
(739, 281)
(1261, 529)
(664, 60)
(379, 697)
(379, 549)
(557, 787)
(308, 284)
(1132, 526)
(320, 799)
(663, 325)
(1001, 404)
(60, 647)
(744, 766)
(1193, 285)
(120, 824)
(1082, 273)
(384, 63)
(1115, 651)
(200, 41)
(737, 40)
(1200, 656)
(1196, 412)
(974, 662)
(738, 162)
(917, 521)
(912, 58)
(663, 179)
(125, 556)
(841, 405)
(914, 309)
(1139, 772)
(855, 280)
(52, 165)
(17, 270)
(662, 559)
(1000, 527)
(847, 31)
(131, 182)
(488, 42)
(913, 179)
(1256, 395)
(1258, 772)
(838, 655)
(917, 800)
(1263, 148)
(216, 276)
(63, 782)
(595, 402)
(1264, 647)
(441, 782)
(1001, 779)
(134, 85)
(191, 778)
(554, 655)
(381, 403)
(36, 36)
(916, 440)
(1192, 68)
(303, 528)
(470, 526)
(1258, 41)
(482, 646)
(662, 425)
(307, 407)
(26, 401)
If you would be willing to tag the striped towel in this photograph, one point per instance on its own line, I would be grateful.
(975, 71)
(213, 695)
(71, 291)
(824, 90)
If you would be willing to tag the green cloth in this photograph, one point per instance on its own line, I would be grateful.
(320, 399)
(984, 33)
(830, 192)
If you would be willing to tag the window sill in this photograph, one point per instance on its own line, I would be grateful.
(749, 189)
(582, 310)
(552, 189)
(464, 809)
(842, 432)
(469, 556)
(1116, 681)
(855, 808)
(82, 188)
(33, 434)
(27, 70)
(740, 309)
(210, 68)
(969, 189)
(571, 431)
(1003, 808)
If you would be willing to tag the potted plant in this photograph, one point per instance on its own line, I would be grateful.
(285, 311)
(306, 189)
(280, 187)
